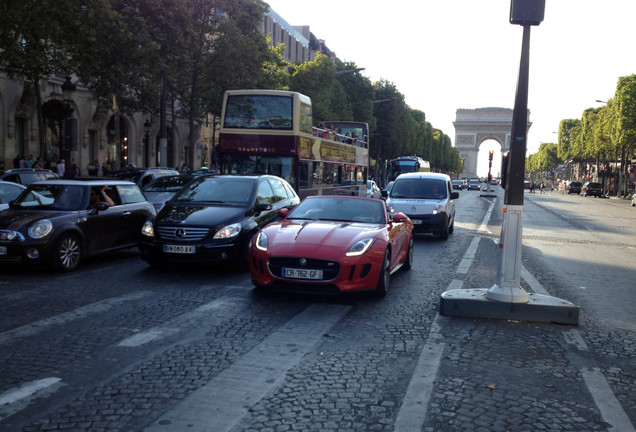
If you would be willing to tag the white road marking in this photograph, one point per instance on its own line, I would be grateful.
(81, 312)
(469, 256)
(573, 337)
(225, 400)
(173, 327)
(418, 394)
(611, 409)
(18, 398)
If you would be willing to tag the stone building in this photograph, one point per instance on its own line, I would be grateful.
(73, 126)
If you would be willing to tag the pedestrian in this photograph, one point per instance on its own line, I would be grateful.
(22, 162)
(531, 187)
(39, 164)
(16, 161)
(542, 187)
(96, 167)
(61, 168)
(73, 171)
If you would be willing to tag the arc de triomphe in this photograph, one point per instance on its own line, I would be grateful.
(474, 126)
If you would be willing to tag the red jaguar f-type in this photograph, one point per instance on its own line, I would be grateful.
(330, 245)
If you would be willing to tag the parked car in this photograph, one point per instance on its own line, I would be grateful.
(474, 184)
(8, 192)
(332, 244)
(427, 199)
(144, 176)
(373, 191)
(162, 189)
(387, 190)
(458, 184)
(53, 223)
(213, 218)
(592, 189)
(26, 176)
(574, 188)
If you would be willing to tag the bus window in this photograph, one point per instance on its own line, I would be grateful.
(259, 112)
(305, 118)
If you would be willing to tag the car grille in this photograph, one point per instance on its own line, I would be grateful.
(330, 269)
(182, 233)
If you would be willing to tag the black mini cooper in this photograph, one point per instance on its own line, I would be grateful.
(56, 223)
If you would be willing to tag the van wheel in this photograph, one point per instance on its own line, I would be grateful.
(443, 234)
(67, 253)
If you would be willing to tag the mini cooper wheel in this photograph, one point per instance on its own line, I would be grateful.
(67, 253)
(385, 275)
(408, 263)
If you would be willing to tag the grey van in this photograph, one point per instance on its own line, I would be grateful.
(427, 199)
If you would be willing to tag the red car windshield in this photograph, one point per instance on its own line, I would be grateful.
(342, 209)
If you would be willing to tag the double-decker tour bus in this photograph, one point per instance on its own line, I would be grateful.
(406, 164)
(270, 131)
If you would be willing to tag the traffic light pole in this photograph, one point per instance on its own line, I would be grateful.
(508, 287)
(506, 299)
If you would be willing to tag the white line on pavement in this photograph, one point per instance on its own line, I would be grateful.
(469, 256)
(172, 327)
(611, 409)
(17, 398)
(415, 403)
(81, 312)
(226, 399)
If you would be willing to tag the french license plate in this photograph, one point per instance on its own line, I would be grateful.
(416, 221)
(302, 273)
(3, 250)
(179, 249)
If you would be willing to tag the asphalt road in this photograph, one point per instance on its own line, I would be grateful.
(117, 346)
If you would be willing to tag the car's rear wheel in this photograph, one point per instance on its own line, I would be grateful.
(409, 255)
(385, 275)
(67, 253)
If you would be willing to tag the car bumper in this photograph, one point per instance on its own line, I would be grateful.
(25, 253)
(429, 223)
(354, 274)
(153, 252)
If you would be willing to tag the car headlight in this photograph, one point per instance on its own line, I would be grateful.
(147, 229)
(228, 231)
(262, 241)
(389, 207)
(438, 209)
(41, 228)
(360, 247)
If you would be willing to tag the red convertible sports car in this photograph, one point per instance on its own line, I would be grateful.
(330, 245)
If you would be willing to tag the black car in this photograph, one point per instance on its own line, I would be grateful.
(162, 189)
(574, 188)
(53, 223)
(592, 189)
(458, 184)
(26, 176)
(213, 218)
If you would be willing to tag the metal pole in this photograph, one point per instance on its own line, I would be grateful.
(163, 135)
(508, 286)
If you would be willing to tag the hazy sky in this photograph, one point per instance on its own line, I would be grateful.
(448, 54)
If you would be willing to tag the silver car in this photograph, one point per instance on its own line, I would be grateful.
(427, 199)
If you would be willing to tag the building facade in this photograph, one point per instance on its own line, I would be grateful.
(71, 125)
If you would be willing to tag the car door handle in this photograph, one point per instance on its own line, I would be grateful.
(127, 213)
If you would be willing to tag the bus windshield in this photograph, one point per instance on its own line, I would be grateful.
(259, 112)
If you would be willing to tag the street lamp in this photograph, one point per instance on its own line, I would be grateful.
(346, 71)
(147, 125)
(69, 135)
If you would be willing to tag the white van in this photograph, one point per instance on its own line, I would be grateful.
(427, 199)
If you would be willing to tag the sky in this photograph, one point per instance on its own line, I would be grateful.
(443, 55)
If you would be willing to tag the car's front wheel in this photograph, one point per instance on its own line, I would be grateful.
(385, 275)
(443, 234)
(67, 253)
